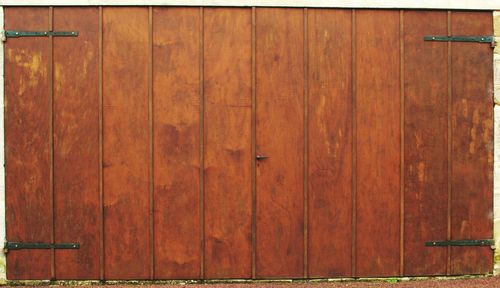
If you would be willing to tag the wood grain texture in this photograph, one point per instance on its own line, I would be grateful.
(228, 157)
(125, 91)
(280, 124)
(76, 142)
(28, 217)
(378, 142)
(176, 142)
(472, 143)
(330, 143)
(425, 90)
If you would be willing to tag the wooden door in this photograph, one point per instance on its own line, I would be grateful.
(209, 143)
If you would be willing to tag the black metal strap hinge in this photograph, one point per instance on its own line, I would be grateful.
(15, 34)
(477, 39)
(482, 242)
(35, 245)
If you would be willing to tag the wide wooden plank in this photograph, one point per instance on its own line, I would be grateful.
(330, 143)
(76, 150)
(28, 195)
(378, 142)
(126, 143)
(176, 142)
(426, 136)
(280, 135)
(472, 143)
(228, 151)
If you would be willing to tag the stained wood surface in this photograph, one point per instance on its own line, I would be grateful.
(200, 128)
(378, 140)
(76, 129)
(126, 143)
(280, 126)
(472, 144)
(228, 158)
(426, 148)
(176, 142)
(330, 143)
(28, 208)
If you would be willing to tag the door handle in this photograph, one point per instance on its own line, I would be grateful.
(261, 157)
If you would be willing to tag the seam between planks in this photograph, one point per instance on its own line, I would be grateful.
(306, 144)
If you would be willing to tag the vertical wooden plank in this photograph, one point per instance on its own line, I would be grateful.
(228, 158)
(76, 128)
(50, 110)
(280, 132)
(402, 142)
(176, 142)
(330, 143)
(201, 83)
(354, 144)
(425, 158)
(378, 142)
(151, 145)
(254, 146)
(305, 182)
(101, 154)
(28, 195)
(472, 143)
(126, 197)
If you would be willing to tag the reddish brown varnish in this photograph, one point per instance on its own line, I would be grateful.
(200, 125)
(280, 126)
(472, 143)
(378, 140)
(126, 143)
(330, 142)
(76, 129)
(425, 128)
(176, 142)
(228, 196)
(28, 208)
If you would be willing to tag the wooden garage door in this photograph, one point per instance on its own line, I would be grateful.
(190, 143)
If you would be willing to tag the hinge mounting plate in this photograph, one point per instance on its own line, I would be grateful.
(17, 34)
(477, 39)
(37, 245)
(468, 242)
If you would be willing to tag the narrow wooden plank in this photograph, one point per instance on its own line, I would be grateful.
(101, 159)
(176, 109)
(330, 143)
(354, 143)
(254, 146)
(50, 110)
(472, 143)
(201, 83)
(151, 145)
(378, 142)
(425, 158)
(126, 197)
(228, 157)
(28, 195)
(306, 142)
(450, 142)
(280, 132)
(76, 142)
(402, 141)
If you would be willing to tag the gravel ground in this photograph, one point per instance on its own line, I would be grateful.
(487, 281)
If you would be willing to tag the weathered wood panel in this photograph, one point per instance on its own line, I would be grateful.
(76, 142)
(126, 143)
(426, 148)
(280, 132)
(176, 142)
(28, 196)
(228, 153)
(472, 146)
(378, 143)
(330, 142)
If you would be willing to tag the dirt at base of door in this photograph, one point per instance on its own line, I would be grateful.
(486, 281)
